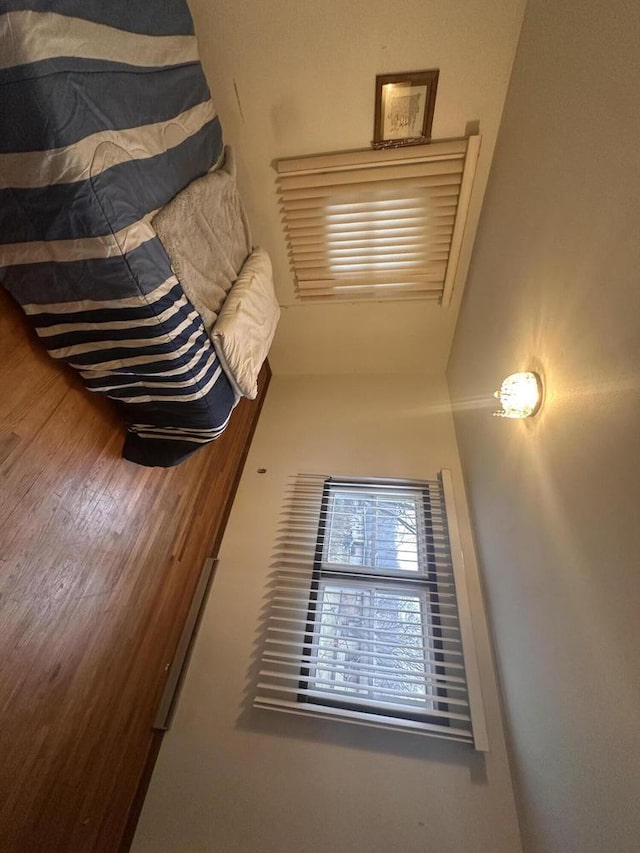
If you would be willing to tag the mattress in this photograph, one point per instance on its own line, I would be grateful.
(106, 117)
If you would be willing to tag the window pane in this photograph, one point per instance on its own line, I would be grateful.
(375, 531)
(369, 643)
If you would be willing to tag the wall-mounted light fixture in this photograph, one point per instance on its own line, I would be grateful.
(520, 395)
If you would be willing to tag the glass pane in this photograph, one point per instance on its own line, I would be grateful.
(375, 531)
(369, 642)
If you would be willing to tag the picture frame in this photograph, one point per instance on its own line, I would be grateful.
(404, 108)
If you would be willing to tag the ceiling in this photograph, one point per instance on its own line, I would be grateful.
(554, 287)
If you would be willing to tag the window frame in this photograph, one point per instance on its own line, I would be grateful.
(280, 675)
(423, 582)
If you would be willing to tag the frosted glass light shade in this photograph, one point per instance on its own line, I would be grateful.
(520, 395)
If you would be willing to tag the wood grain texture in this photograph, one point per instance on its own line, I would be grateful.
(98, 561)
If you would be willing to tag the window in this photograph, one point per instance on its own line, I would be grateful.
(364, 620)
(383, 224)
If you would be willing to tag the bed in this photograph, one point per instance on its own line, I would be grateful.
(107, 117)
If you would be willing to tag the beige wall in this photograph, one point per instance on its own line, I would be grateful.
(554, 283)
(233, 780)
(292, 77)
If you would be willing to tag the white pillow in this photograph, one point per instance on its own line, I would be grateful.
(247, 323)
(205, 232)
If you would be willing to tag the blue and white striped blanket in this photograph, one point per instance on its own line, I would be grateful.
(105, 115)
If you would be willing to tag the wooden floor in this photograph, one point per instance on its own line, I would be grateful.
(98, 561)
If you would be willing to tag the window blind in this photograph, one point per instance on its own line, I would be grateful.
(382, 224)
(364, 622)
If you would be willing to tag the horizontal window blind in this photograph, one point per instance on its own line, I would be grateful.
(381, 224)
(364, 624)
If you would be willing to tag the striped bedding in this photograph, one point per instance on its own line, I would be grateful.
(106, 115)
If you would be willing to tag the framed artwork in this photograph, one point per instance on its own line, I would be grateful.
(404, 108)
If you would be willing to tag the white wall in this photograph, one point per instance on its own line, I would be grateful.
(554, 284)
(293, 77)
(233, 780)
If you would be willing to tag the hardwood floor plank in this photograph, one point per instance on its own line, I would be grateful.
(99, 559)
